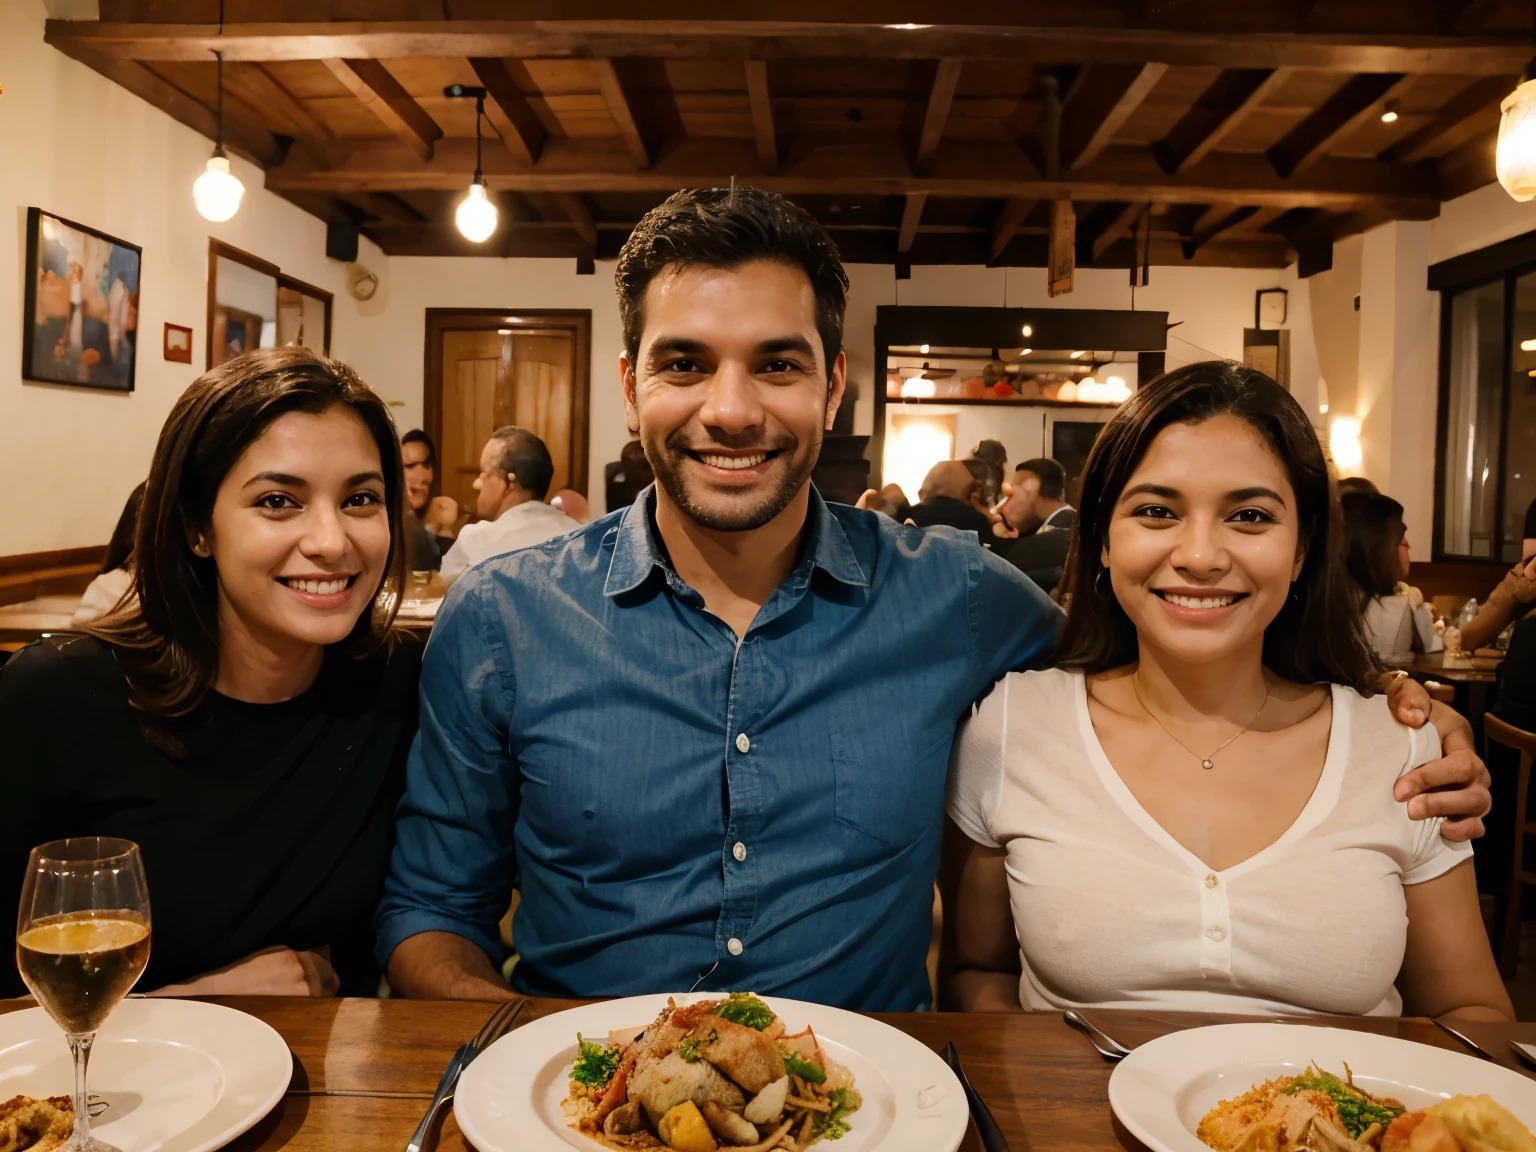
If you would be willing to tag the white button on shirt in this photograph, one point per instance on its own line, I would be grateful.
(739, 851)
(521, 526)
(743, 745)
(733, 946)
(1112, 911)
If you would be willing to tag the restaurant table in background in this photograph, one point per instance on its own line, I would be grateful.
(365, 1070)
(23, 623)
(1471, 681)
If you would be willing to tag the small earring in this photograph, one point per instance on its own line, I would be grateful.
(1099, 590)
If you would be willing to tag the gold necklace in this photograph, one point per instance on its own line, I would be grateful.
(1205, 761)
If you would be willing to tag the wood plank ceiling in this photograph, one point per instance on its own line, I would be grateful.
(1236, 134)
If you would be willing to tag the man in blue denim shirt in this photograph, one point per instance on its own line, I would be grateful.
(708, 734)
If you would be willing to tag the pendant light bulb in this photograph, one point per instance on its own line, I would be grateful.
(476, 215)
(1515, 154)
(217, 191)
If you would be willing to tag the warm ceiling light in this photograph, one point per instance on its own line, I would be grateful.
(1528, 345)
(1025, 351)
(1028, 331)
(475, 216)
(1344, 443)
(217, 191)
(1075, 355)
(1389, 113)
(923, 348)
(1515, 155)
(503, 331)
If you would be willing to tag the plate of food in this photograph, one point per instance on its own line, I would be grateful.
(166, 1076)
(729, 1072)
(1268, 1087)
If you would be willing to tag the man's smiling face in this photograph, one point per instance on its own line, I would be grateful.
(730, 390)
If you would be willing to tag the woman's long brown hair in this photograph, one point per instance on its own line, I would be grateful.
(167, 638)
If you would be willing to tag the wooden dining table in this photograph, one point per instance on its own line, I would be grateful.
(364, 1071)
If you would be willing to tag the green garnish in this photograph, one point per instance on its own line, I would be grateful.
(745, 1009)
(831, 1125)
(1357, 1110)
(803, 1068)
(595, 1065)
(689, 1050)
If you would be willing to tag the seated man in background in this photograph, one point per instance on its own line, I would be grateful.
(1037, 511)
(1512, 599)
(515, 471)
(945, 498)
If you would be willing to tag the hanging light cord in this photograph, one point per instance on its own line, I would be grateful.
(479, 112)
(218, 144)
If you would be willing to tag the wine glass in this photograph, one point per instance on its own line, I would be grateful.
(82, 940)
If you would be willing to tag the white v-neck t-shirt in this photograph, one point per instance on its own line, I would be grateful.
(1111, 911)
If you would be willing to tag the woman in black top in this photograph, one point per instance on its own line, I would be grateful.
(246, 719)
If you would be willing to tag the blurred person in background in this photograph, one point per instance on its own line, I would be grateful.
(116, 578)
(430, 528)
(246, 717)
(515, 471)
(1036, 512)
(627, 476)
(1512, 599)
(573, 504)
(1351, 485)
(946, 498)
(1376, 552)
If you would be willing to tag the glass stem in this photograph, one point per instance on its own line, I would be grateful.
(80, 1049)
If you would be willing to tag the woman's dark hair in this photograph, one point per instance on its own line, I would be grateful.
(120, 547)
(1373, 529)
(1317, 636)
(417, 436)
(167, 639)
(726, 228)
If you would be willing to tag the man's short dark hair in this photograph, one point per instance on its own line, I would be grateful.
(417, 436)
(524, 455)
(1053, 477)
(726, 228)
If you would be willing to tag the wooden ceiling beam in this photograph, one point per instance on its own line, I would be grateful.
(1229, 100)
(1470, 112)
(387, 206)
(833, 167)
(1386, 49)
(941, 96)
(1117, 229)
(1467, 15)
(1100, 106)
(1015, 209)
(1209, 228)
(575, 208)
(911, 216)
(1357, 100)
(618, 94)
(761, 104)
(508, 109)
(386, 98)
(262, 90)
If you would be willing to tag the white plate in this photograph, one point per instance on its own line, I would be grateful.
(508, 1100)
(1162, 1089)
(177, 1075)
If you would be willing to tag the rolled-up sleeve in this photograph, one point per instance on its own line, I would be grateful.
(451, 869)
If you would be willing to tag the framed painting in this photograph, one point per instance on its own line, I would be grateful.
(81, 306)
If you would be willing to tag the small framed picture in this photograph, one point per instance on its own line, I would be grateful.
(178, 343)
(82, 305)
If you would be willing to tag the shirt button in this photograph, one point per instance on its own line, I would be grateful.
(733, 946)
(1211, 881)
(1214, 932)
(739, 851)
(743, 745)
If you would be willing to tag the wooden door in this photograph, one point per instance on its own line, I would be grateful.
(525, 376)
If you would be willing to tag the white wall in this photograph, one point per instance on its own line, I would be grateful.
(79, 146)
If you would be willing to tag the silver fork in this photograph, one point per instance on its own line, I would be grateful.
(491, 1031)
(1104, 1044)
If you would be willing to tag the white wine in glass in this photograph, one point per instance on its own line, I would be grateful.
(82, 940)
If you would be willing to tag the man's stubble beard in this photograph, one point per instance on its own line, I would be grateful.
(668, 462)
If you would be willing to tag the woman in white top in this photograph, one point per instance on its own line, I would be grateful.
(1195, 809)
(1377, 556)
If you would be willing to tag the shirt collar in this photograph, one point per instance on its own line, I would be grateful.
(637, 551)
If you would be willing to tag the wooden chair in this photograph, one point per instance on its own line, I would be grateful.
(1524, 743)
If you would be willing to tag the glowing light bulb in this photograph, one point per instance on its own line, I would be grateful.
(1515, 154)
(1028, 331)
(1528, 345)
(923, 348)
(1344, 443)
(476, 216)
(217, 191)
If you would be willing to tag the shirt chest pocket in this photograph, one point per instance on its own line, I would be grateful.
(885, 787)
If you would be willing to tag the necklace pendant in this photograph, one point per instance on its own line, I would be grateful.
(1206, 764)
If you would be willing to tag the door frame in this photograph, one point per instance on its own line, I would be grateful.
(578, 321)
